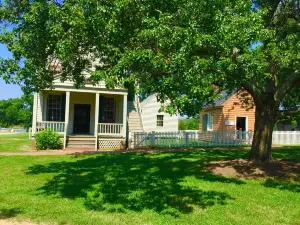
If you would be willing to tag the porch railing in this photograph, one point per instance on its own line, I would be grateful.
(53, 125)
(110, 129)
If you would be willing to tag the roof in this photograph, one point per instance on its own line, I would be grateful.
(221, 100)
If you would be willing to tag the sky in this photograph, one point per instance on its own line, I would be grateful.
(8, 90)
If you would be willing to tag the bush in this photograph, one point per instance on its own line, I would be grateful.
(48, 139)
(189, 124)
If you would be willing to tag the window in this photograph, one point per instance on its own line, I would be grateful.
(107, 110)
(54, 108)
(160, 120)
(207, 123)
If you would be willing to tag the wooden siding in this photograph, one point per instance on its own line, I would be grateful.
(232, 108)
(217, 117)
(87, 74)
(150, 109)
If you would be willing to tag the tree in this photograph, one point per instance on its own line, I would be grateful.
(16, 111)
(189, 123)
(181, 50)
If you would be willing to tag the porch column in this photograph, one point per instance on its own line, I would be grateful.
(34, 113)
(66, 117)
(124, 115)
(96, 120)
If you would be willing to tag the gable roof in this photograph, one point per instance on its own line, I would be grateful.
(147, 100)
(221, 100)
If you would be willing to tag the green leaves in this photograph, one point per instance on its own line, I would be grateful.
(178, 49)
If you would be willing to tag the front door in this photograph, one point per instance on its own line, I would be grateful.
(241, 123)
(241, 126)
(82, 118)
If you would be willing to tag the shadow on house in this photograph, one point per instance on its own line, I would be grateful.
(122, 182)
(9, 213)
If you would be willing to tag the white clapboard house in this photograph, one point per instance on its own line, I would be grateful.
(96, 117)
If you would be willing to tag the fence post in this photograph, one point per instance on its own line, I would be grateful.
(129, 139)
(186, 138)
(250, 137)
(152, 138)
(217, 137)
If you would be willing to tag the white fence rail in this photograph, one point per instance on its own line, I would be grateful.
(53, 125)
(12, 130)
(110, 129)
(192, 139)
(286, 138)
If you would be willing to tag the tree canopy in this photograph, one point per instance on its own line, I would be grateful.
(16, 112)
(180, 49)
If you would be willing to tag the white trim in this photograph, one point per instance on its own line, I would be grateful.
(35, 102)
(105, 91)
(210, 114)
(124, 115)
(67, 110)
(245, 124)
(96, 119)
(212, 122)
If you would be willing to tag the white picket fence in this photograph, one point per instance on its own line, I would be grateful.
(192, 139)
(286, 138)
(12, 130)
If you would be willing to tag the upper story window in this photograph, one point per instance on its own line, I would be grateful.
(54, 108)
(207, 123)
(160, 121)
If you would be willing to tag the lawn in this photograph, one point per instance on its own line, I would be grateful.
(16, 142)
(149, 188)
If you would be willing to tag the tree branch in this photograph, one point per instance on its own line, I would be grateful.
(294, 111)
(284, 89)
(254, 92)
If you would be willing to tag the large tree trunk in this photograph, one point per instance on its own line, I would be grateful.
(265, 118)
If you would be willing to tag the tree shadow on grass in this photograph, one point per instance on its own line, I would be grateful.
(283, 185)
(9, 213)
(287, 152)
(122, 182)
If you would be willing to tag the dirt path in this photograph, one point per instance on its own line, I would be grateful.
(15, 222)
(91, 152)
(240, 168)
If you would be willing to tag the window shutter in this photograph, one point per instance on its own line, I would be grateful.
(204, 123)
(101, 109)
(63, 107)
(209, 121)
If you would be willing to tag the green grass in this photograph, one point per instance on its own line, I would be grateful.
(14, 142)
(136, 188)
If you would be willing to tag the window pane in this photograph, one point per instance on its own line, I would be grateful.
(54, 108)
(160, 120)
(210, 121)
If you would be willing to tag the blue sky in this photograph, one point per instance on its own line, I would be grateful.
(8, 90)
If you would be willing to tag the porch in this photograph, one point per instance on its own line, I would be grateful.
(92, 113)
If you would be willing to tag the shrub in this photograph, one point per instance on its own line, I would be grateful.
(47, 139)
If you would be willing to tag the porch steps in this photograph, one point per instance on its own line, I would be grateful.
(85, 142)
